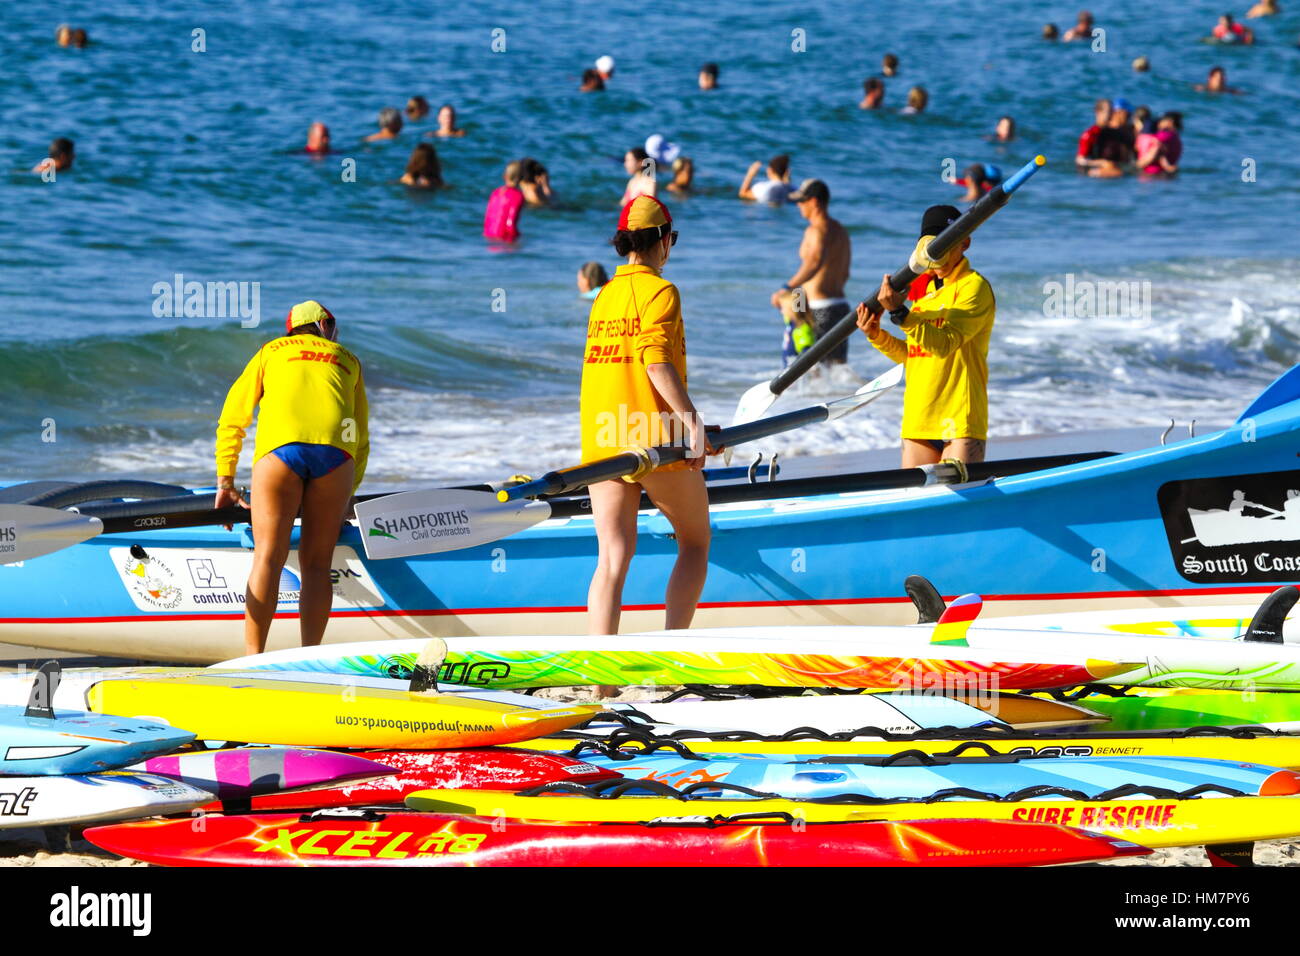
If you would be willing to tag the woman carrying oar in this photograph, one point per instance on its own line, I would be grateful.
(310, 455)
(634, 396)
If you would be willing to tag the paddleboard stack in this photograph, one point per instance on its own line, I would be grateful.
(840, 746)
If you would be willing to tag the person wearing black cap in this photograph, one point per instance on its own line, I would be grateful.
(945, 352)
(824, 257)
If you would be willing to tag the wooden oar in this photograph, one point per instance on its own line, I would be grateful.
(759, 399)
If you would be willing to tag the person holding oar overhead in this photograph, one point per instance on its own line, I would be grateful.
(634, 397)
(310, 455)
(945, 351)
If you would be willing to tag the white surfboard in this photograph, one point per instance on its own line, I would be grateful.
(1148, 660)
(895, 713)
(93, 798)
(1225, 622)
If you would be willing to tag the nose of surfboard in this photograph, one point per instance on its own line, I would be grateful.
(1284, 783)
(558, 717)
(1101, 669)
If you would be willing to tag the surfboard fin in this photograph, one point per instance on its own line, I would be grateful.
(424, 673)
(956, 621)
(1231, 854)
(1266, 625)
(40, 703)
(925, 596)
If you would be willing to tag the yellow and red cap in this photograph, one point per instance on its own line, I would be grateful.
(305, 313)
(644, 212)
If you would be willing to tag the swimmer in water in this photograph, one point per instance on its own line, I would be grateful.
(917, 100)
(318, 139)
(1265, 8)
(873, 93)
(979, 178)
(1142, 65)
(535, 182)
(824, 258)
(1088, 154)
(591, 279)
(591, 82)
(390, 124)
(605, 67)
(1082, 29)
(889, 65)
(1143, 121)
(1216, 82)
(62, 152)
(1050, 32)
(63, 35)
(1228, 30)
(709, 76)
(1159, 153)
(638, 165)
(1116, 143)
(683, 175)
(417, 108)
(775, 189)
(447, 122)
(1005, 131)
(501, 220)
(423, 169)
(799, 332)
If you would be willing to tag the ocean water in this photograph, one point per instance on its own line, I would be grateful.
(191, 163)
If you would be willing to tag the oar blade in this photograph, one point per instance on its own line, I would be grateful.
(29, 531)
(754, 403)
(865, 395)
(434, 521)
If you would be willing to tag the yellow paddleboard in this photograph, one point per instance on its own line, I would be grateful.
(1152, 823)
(292, 713)
(1282, 750)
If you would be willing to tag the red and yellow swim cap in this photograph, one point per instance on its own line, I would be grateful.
(644, 212)
(305, 313)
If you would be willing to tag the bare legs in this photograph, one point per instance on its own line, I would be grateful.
(917, 453)
(278, 495)
(682, 498)
(324, 504)
(684, 501)
(613, 505)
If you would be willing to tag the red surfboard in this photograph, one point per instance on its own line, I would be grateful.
(369, 838)
(489, 768)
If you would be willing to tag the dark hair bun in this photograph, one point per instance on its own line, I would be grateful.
(626, 241)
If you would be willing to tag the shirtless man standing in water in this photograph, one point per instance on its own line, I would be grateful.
(824, 256)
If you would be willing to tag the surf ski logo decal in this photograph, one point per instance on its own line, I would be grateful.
(151, 580)
(208, 580)
(1234, 529)
(17, 804)
(421, 526)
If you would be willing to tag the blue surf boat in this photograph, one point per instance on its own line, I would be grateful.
(1182, 524)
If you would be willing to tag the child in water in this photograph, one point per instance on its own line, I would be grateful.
(799, 332)
(501, 220)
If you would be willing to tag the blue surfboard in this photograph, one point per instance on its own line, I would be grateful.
(803, 777)
(37, 740)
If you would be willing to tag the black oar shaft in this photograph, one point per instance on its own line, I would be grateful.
(188, 511)
(860, 481)
(565, 480)
(939, 246)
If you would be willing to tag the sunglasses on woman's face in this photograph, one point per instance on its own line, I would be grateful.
(674, 235)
